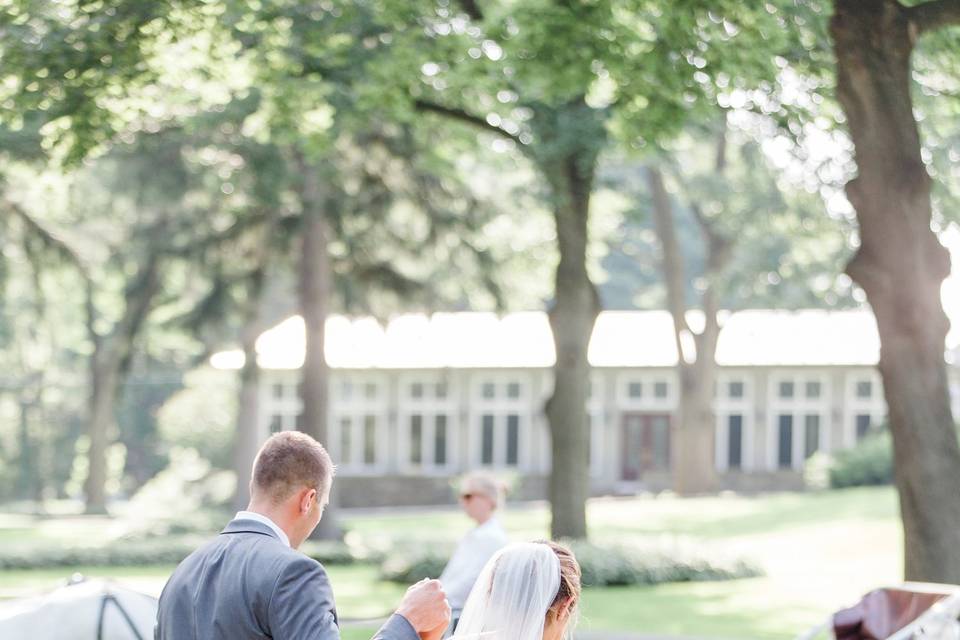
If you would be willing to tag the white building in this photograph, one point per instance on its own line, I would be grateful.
(425, 398)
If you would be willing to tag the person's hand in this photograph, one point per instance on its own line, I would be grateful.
(426, 608)
(435, 634)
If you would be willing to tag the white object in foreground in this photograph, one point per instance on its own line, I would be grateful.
(89, 610)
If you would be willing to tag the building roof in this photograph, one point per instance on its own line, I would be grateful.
(523, 340)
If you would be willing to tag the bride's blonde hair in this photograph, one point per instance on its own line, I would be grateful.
(570, 575)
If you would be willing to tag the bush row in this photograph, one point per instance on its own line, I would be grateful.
(868, 463)
(601, 564)
(125, 553)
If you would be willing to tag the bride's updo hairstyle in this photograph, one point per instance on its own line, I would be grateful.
(522, 590)
(569, 575)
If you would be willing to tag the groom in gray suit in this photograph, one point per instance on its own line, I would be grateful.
(250, 582)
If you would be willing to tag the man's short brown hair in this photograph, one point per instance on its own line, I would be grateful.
(289, 461)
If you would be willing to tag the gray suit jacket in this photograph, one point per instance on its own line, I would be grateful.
(246, 585)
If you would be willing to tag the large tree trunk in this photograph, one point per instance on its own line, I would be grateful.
(28, 479)
(572, 318)
(692, 434)
(247, 439)
(315, 290)
(108, 368)
(103, 399)
(900, 265)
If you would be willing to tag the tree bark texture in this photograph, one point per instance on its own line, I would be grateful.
(692, 435)
(570, 174)
(900, 265)
(247, 440)
(315, 291)
(108, 367)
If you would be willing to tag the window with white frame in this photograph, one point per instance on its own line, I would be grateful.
(733, 408)
(358, 422)
(427, 419)
(282, 401)
(501, 419)
(800, 407)
(865, 405)
(647, 391)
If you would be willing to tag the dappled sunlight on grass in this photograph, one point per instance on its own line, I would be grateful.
(819, 551)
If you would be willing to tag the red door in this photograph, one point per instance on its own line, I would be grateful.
(646, 444)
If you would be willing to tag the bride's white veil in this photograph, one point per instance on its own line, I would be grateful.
(511, 597)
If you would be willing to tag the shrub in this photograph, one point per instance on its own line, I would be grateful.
(868, 463)
(602, 565)
(117, 554)
(407, 564)
(129, 553)
(652, 563)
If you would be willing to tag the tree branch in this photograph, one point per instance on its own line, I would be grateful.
(671, 263)
(934, 15)
(463, 116)
(64, 250)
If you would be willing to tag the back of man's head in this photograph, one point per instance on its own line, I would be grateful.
(287, 462)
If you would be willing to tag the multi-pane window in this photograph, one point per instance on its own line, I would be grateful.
(865, 407)
(653, 390)
(660, 389)
(283, 405)
(428, 437)
(358, 419)
(800, 411)
(784, 441)
(425, 418)
(735, 441)
(502, 418)
(440, 439)
(734, 407)
(358, 440)
(487, 436)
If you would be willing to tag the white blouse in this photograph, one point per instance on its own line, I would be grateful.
(473, 552)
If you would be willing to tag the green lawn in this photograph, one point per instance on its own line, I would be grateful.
(820, 551)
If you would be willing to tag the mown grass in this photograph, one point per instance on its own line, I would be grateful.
(820, 551)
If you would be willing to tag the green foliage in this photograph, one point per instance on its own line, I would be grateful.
(785, 251)
(601, 564)
(143, 552)
(201, 416)
(410, 564)
(868, 463)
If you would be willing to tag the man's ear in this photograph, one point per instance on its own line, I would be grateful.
(306, 500)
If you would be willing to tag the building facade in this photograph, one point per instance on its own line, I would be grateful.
(423, 400)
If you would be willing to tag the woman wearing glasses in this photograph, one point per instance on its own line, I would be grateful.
(480, 497)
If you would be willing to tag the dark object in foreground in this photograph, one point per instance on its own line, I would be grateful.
(912, 611)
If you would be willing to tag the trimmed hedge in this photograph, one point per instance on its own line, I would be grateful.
(601, 564)
(129, 553)
(868, 463)
(620, 565)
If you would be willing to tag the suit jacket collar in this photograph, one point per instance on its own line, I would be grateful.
(249, 526)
